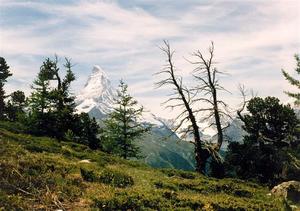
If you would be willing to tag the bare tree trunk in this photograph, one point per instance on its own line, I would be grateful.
(206, 74)
(183, 95)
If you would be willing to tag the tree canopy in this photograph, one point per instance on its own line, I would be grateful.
(271, 130)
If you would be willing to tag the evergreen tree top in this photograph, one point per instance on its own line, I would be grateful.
(293, 81)
(4, 70)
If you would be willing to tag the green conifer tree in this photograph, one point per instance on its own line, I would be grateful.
(39, 101)
(52, 107)
(86, 131)
(122, 127)
(293, 81)
(15, 105)
(265, 151)
(61, 98)
(4, 74)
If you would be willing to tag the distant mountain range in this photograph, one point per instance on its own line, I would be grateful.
(160, 147)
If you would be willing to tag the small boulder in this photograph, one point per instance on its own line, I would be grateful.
(289, 190)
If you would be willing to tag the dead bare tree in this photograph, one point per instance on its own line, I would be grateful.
(183, 98)
(239, 111)
(245, 99)
(216, 110)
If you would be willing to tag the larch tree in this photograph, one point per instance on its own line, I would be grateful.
(61, 98)
(293, 81)
(123, 125)
(4, 74)
(39, 102)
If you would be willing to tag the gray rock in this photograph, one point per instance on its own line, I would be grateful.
(289, 190)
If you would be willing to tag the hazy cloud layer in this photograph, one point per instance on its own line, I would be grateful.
(254, 39)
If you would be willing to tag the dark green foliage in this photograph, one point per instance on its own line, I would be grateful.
(116, 178)
(263, 155)
(125, 201)
(168, 186)
(109, 177)
(15, 106)
(18, 99)
(39, 101)
(4, 74)
(179, 173)
(270, 122)
(52, 109)
(122, 127)
(41, 119)
(63, 101)
(216, 169)
(88, 175)
(294, 81)
(86, 130)
(15, 127)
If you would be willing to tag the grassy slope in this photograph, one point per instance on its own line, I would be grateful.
(42, 173)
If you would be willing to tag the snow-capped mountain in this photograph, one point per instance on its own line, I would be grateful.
(98, 94)
(96, 98)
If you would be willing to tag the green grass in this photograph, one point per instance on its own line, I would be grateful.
(43, 173)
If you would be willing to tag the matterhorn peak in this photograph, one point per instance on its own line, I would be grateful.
(97, 70)
(97, 94)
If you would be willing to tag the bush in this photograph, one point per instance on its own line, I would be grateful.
(179, 173)
(126, 201)
(242, 193)
(161, 185)
(116, 179)
(119, 203)
(88, 175)
(15, 127)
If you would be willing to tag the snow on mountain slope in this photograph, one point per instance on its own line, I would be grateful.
(96, 98)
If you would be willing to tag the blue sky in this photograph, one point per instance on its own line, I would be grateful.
(253, 39)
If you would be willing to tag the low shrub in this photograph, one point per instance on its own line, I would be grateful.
(170, 195)
(14, 127)
(126, 201)
(242, 193)
(116, 179)
(88, 175)
(179, 173)
(189, 204)
(161, 185)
